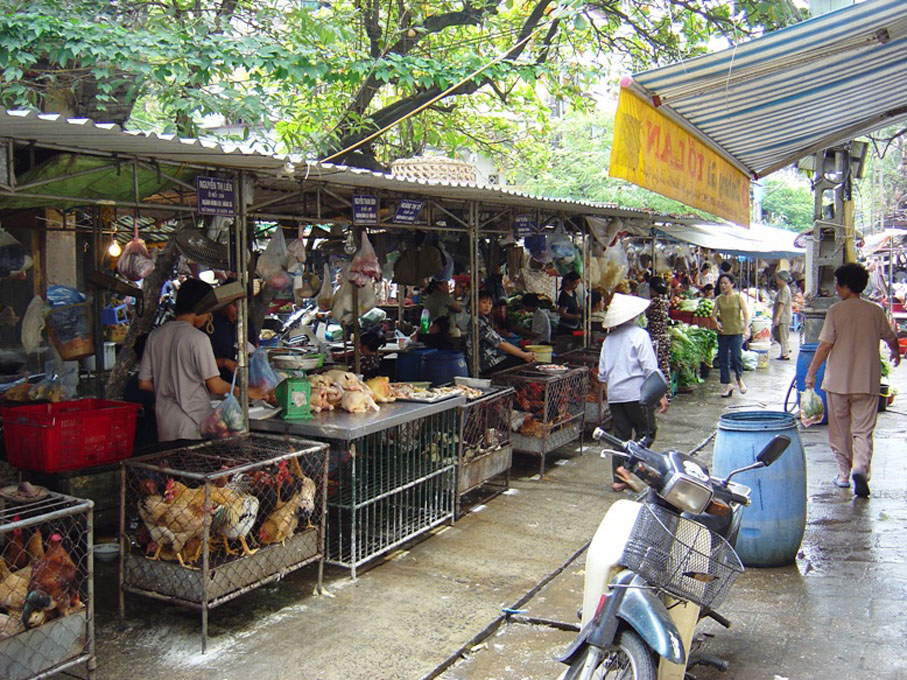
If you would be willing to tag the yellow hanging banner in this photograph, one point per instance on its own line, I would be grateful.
(654, 152)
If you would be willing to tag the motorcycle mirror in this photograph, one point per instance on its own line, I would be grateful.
(773, 450)
(653, 389)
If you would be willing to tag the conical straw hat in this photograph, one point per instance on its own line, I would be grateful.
(623, 308)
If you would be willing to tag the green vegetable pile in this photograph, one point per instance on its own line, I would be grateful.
(705, 308)
(690, 346)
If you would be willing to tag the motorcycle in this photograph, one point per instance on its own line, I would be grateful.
(659, 564)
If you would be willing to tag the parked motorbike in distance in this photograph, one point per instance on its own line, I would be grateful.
(656, 566)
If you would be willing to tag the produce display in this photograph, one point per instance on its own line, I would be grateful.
(690, 346)
(705, 308)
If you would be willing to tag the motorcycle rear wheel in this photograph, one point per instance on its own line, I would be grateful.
(628, 659)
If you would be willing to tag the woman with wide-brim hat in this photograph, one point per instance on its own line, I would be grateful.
(627, 358)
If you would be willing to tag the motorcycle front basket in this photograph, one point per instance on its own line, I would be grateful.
(681, 557)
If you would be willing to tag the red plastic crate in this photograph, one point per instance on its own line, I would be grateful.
(68, 435)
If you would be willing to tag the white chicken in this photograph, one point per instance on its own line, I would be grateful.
(345, 380)
(358, 402)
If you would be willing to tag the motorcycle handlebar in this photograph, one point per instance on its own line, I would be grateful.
(601, 435)
(725, 494)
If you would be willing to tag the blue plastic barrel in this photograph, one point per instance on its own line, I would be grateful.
(772, 526)
(804, 359)
(443, 366)
(409, 364)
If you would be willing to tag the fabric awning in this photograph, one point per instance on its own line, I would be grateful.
(768, 102)
(762, 241)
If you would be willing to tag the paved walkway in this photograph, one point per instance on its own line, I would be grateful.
(839, 612)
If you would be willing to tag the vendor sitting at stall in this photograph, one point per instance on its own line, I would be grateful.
(178, 365)
(597, 311)
(708, 291)
(568, 305)
(495, 354)
(439, 335)
(436, 298)
(540, 328)
(369, 358)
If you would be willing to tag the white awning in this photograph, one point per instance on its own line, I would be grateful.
(762, 241)
(768, 102)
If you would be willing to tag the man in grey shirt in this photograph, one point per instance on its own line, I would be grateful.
(179, 367)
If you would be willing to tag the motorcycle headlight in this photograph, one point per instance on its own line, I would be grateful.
(687, 493)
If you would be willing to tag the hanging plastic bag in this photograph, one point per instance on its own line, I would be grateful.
(69, 323)
(272, 262)
(226, 419)
(135, 262)
(614, 267)
(261, 375)
(342, 303)
(812, 410)
(560, 244)
(364, 267)
(326, 293)
(296, 248)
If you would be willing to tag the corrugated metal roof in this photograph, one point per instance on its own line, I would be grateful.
(777, 98)
(83, 135)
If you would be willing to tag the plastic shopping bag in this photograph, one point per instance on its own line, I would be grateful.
(326, 294)
(560, 244)
(812, 410)
(364, 267)
(224, 421)
(135, 262)
(261, 375)
(272, 262)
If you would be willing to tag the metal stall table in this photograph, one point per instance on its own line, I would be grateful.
(485, 450)
(548, 407)
(259, 490)
(597, 412)
(392, 474)
(48, 543)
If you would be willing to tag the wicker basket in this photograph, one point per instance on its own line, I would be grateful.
(434, 168)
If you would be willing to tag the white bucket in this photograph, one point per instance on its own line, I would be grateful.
(110, 358)
(761, 331)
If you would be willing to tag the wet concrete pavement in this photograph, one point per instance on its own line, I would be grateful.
(435, 609)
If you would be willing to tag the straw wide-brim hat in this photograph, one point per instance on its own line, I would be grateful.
(623, 308)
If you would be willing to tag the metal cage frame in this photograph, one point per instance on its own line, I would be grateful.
(71, 631)
(560, 418)
(597, 412)
(215, 584)
(485, 447)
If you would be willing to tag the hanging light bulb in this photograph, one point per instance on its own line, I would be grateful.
(114, 249)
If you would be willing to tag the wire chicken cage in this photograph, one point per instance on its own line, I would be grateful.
(484, 449)
(597, 412)
(204, 524)
(548, 407)
(391, 485)
(46, 585)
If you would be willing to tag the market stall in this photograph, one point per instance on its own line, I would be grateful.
(597, 413)
(262, 490)
(391, 473)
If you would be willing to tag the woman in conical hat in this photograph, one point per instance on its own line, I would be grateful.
(627, 358)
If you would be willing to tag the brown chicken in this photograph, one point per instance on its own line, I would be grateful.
(281, 523)
(13, 587)
(172, 525)
(18, 553)
(53, 583)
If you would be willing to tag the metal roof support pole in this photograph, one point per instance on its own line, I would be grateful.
(587, 288)
(241, 263)
(473, 228)
(357, 355)
(97, 253)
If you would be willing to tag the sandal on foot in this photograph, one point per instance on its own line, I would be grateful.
(619, 486)
(728, 392)
(741, 386)
(860, 485)
(840, 483)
